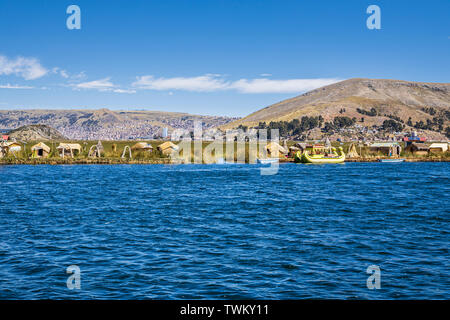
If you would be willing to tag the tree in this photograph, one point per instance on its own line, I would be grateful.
(409, 123)
(392, 125)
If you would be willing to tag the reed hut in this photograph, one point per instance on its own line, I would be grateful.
(69, 149)
(40, 150)
(142, 146)
(438, 147)
(275, 150)
(391, 149)
(419, 149)
(3, 149)
(9, 146)
(168, 148)
(352, 153)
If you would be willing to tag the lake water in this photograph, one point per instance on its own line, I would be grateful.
(225, 231)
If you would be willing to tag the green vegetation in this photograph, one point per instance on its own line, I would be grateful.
(391, 116)
(338, 123)
(372, 113)
(392, 126)
(294, 127)
(437, 124)
(431, 111)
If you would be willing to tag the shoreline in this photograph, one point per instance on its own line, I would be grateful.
(169, 161)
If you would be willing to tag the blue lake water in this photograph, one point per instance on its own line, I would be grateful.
(225, 231)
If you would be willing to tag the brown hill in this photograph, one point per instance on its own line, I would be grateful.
(402, 99)
(107, 124)
(35, 133)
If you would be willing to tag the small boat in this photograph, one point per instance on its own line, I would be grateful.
(320, 154)
(267, 160)
(391, 160)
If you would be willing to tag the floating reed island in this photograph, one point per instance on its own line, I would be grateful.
(171, 152)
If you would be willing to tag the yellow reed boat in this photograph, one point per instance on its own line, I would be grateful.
(320, 154)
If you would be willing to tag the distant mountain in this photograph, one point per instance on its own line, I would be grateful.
(375, 100)
(36, 132)
(106, 124)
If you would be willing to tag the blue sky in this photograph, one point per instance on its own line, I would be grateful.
(207, 56)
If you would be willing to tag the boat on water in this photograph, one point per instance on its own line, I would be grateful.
(320, 154)
(267, 160)
(391, 160)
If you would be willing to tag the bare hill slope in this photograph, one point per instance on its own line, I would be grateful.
(36, 132)
(398, 98)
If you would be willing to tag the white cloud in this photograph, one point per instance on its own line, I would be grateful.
(208, 82)
(280, 86)
(124, 91)
(27, 68)
(79, 76)
(101, 85)
(213, 82)
(14, 86)
(61, 72)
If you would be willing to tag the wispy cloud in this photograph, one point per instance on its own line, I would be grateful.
(61, 72)
(124, 91)
(14, 86)
(27, 68)
(208, 82)
(104, 85)
(101, 85)
(280, 86)
(213, 82)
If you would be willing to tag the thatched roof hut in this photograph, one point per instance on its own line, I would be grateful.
(420, 149)
(142, 146)
(275, 150)
(9, 146)
(168, 147)
(438, 147)
(40, 150)
(352, 153)
(387, 148)
(68, 149)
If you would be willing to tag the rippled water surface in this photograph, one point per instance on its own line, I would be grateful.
(225, 232)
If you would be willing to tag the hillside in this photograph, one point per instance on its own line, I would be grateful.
(377, 100)
(107, 124)
(36, 132)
